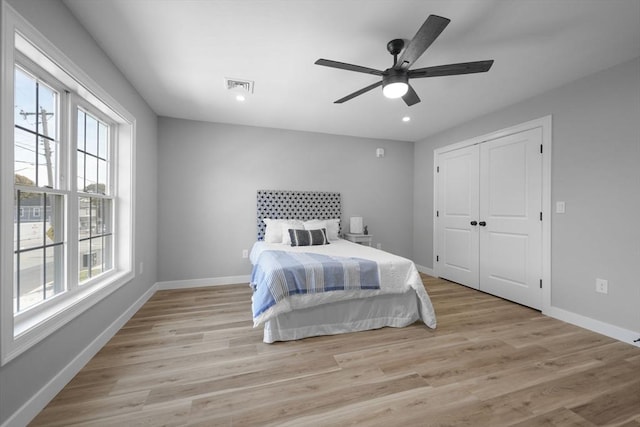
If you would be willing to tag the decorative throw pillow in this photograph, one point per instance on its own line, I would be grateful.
(290, 225)
(308, 237)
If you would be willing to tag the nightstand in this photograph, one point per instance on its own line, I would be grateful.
(363, 239)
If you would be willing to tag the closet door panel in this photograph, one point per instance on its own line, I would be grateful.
(510, 205)
(457, 208)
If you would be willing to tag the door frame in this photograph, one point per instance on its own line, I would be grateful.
(545, 124)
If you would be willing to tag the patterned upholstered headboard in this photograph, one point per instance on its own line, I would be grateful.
(302, 205)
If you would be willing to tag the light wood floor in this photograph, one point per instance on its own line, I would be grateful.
(191, 357)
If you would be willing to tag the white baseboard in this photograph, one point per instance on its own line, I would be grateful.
(198, 283)
(426, 270)
(606, 329)
(39, 401)
(611, 331)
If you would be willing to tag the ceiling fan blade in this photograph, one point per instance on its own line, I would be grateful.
(411, 97)
(349, 67)
(358, 92)
(451, 69)
(430, 30)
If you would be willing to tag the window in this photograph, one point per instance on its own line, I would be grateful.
(40, 143)
(38, 239)
(95, 202)
(66, 186)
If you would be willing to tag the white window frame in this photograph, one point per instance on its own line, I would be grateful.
(20, 332)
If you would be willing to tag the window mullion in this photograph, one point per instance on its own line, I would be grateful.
(17, 254)
(37, 145)
(71, 130)
(62, 278)
(44, 247)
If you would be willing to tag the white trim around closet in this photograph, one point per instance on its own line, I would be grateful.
(545, 124)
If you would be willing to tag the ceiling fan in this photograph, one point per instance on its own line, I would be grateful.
(395, 80)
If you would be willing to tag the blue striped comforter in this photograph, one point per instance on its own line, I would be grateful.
(279, 274)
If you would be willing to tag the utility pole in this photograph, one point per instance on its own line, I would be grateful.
(47, 147)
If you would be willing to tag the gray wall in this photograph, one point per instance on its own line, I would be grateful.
(595, 169)
(209, 174)
(21, 378)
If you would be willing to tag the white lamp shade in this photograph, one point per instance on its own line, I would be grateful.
(355, 225)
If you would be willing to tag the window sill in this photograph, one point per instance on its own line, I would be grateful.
(31, 329)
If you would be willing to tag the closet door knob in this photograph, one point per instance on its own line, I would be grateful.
(482, 223)
(474, 223)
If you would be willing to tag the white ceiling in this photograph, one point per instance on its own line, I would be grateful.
(178, 52)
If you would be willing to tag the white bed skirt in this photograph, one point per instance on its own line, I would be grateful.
(395, 310)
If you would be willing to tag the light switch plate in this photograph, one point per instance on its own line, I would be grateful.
(560, 207)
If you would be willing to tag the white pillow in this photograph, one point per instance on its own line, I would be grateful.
(332, 226)
(315, 224)
(273, 230)
(293, 224)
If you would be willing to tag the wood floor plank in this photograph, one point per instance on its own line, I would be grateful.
(91, 410)
(191, 357)
(561, 417)
(409, 408)
(402, 353)
(478, 364)
(175, 414)
(566, 391)
(320, 398)
(234, 401)
(612, 406)
(306, 364)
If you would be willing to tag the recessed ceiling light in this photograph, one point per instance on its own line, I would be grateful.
(406, 118)
(240, 98)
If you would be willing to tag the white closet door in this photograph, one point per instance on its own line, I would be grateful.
(457, 208)
(510, 205)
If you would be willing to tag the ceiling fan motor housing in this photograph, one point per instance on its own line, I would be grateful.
(392, 75)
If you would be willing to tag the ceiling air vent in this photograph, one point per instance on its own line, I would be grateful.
(239, 85)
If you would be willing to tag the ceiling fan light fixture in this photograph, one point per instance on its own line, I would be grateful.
(395, 84)
(395, 90)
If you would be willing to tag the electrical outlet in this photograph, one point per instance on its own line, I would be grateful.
(245, 253)
(379, 245)
(602, 286)
(140, 268)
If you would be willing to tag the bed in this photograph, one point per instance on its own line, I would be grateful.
(325, 285)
